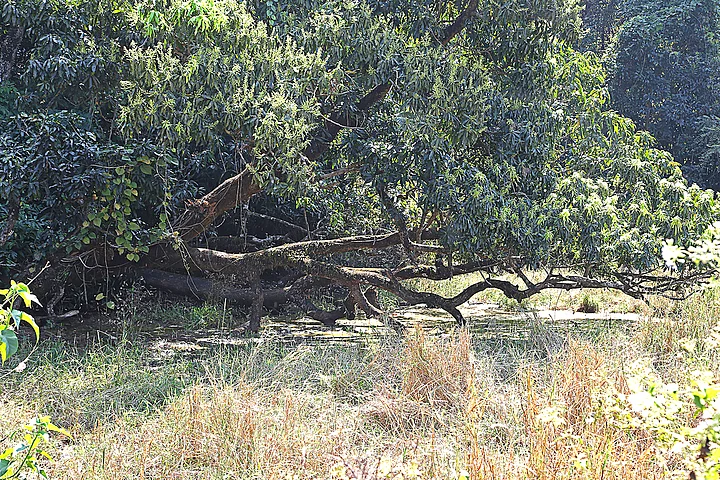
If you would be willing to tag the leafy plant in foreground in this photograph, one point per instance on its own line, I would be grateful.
(683, 417)
(10, 318)
(23, 456)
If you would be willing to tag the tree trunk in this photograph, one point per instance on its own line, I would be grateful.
(202, 288)
(9, 45)
(257, 307)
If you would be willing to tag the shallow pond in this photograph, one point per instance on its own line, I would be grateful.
(489, 324)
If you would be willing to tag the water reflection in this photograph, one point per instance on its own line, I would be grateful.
(489, 324)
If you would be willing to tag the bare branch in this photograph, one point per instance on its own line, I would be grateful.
(201, 213)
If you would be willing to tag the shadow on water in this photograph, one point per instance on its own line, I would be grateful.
(494, 330)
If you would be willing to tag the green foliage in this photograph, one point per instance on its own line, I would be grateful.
(664, 71)
(588, 304)
(8, 95)
(213, 78)
(664, 408)
(23, 457)
(601, 18)
(710, 139)
(10, 318)
(113, 217)
(69, 51)
(73, 188)
(502, 135)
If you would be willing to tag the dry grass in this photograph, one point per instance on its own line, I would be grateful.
(435, 375)
(569, 435)
(437, 371)
(212, 432)
(427, 407)
(565, 434)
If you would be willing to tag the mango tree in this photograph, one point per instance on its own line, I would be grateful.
(240, 143)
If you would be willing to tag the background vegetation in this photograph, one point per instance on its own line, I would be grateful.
(269, 149)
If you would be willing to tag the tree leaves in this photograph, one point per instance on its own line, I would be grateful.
(8, 343)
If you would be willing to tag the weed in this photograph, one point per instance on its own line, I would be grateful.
(588, 304)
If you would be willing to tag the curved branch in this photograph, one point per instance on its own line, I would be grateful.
(459, 24)
(442, 272)
(320, 143)
(201, 213)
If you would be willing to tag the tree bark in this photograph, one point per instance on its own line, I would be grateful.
(201, 213)
(13, 214)
(246, 265)
(459, 24)
(9, 45)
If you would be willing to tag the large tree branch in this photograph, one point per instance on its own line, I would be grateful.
(459, 24)
(289, 255)
(203, 288)
(387, 281)
(201, 213)
(303, 257)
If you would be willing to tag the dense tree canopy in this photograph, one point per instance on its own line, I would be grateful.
(230, 140)
(664, 71)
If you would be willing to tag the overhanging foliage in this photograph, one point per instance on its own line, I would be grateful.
(464, 137)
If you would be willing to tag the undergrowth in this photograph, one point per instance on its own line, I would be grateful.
(443, 406)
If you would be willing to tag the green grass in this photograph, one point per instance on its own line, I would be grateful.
(439, 405)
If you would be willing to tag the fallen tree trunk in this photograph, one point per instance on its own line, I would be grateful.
(386, 279)
(247, 265)
(203, 288)
(246, 243)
